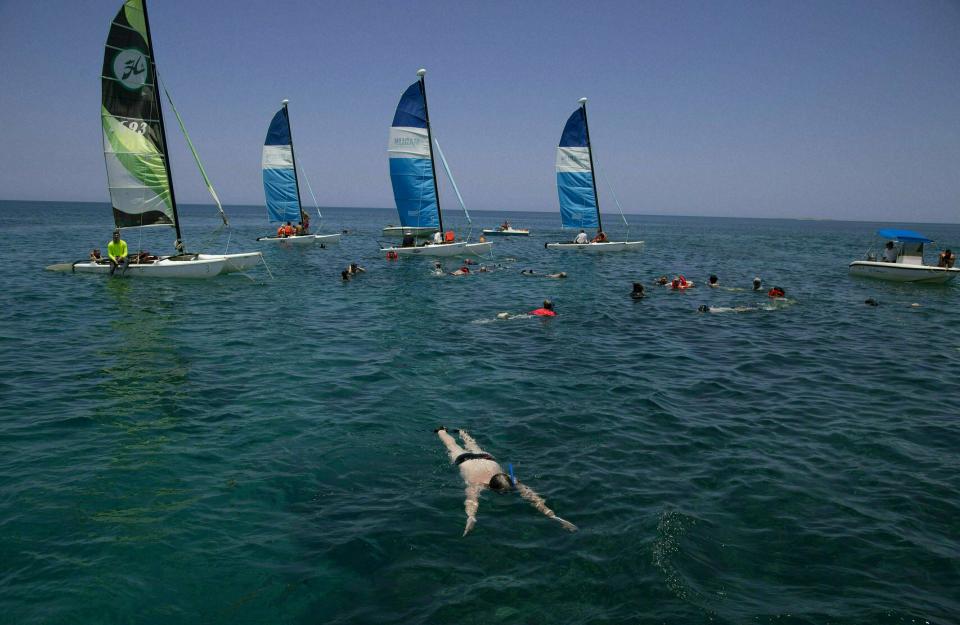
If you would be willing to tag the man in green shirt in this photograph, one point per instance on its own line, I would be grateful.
(117, 252)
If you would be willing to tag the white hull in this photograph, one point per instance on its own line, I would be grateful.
(609, 246)
(198, 267)
(235, 262)
(443, 249)
(303, 239)
(510, 232)
(901, 272)
(399, 231)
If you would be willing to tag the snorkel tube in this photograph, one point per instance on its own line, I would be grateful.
(513, 479)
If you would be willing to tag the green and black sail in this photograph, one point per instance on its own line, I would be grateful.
(134, 143)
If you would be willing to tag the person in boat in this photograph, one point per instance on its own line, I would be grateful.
(480, 471)
(286, 230)
(890, 252)
(546, 311)
(600, 238)
(449, 236)
(776, 292)
(713, 281)
(662, 281)
(117, 251)
(437, 238)
(354, 269)
(757, 282)
(464, 270)
(946, 259)
(305, 222)
(95, 256)
(582, 238)
(408, 240)
(637, 292)
(298, 229)
(505, 226)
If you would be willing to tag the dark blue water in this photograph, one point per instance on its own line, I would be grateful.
(257, 450)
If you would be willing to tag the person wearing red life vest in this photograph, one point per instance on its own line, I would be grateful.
(546, 311)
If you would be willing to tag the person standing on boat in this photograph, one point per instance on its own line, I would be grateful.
(582, 238)
(947, 259)
(480, 470)
(116, 251)
(890, 252)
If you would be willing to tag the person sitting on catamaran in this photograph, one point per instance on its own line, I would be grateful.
(582, 238)
(117, 251)
(480, 470)
(437, 238)
(546, 311)
(95, 255)
(298, 229)
(600, 238)
(449, 236)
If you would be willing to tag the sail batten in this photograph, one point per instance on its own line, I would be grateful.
(575, 183)
(411, 163)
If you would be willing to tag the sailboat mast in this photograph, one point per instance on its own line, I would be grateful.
(433, 168)
(593, 174)
(163, 129)
(293, 156)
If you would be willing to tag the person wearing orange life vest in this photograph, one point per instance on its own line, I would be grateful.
(546, 311)
(776, 292)
(286, 230)
(600, 238)
(449, 237)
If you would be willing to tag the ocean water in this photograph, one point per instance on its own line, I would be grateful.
(259, 449)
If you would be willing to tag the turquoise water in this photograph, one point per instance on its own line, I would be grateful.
(257, 450)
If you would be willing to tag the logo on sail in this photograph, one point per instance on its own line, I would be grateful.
(130, 68)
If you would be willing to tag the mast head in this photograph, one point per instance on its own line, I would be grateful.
(582, 101)
(421, 72)
(284, 101)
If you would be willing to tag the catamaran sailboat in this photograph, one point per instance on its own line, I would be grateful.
(577, 186)
(135, 148)
(905, 263)
(281, 184)
(414, 177)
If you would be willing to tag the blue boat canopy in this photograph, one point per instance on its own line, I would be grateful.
(906, 236)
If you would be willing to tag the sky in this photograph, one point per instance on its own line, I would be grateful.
(833, 109)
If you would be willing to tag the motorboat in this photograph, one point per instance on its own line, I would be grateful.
(901, 260)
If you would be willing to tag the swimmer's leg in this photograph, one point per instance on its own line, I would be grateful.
(452, 448)
(470, 444)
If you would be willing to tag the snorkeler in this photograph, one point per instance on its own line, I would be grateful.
(713, 281)
(637, 292)
(757, 283)
(777, 293)
(480, 470)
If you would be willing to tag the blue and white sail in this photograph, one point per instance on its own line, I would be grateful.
(575, 183)
(411, 162)
(279, 173)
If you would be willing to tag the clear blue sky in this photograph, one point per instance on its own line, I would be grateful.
(834, 109)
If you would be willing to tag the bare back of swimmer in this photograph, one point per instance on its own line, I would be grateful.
(480, 470)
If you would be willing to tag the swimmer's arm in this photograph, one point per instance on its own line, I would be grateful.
(470, 505)
(452, 448)
(537, 501)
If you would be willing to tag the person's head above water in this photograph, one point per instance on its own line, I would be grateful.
(756, 284)
(713, 279)
(637, 287)
(703, 308)
(548, 304)
(345, 275)
(500, 483)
